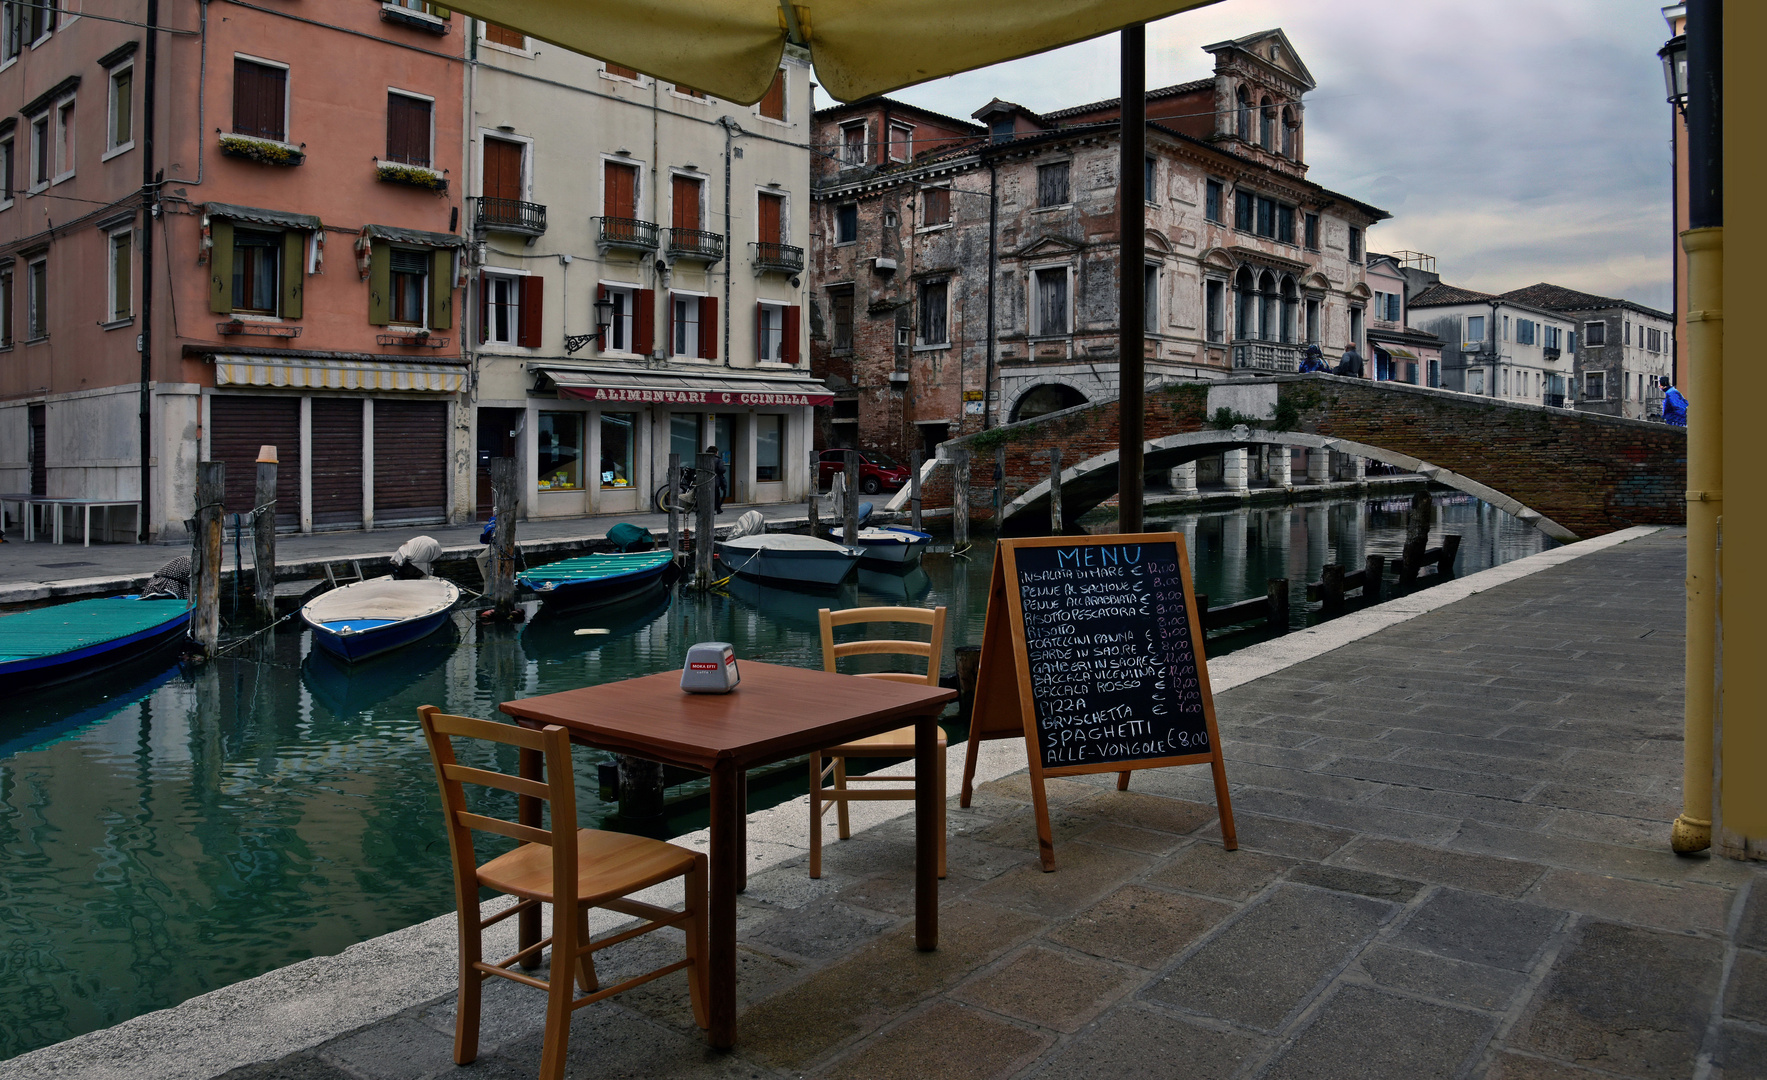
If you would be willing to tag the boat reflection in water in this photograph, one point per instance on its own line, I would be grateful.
(356, 689)
(790, 609)
(552, 635)
(894, 587)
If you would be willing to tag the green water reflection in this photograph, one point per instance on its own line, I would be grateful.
(164, 833)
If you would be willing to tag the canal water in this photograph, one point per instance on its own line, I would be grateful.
(165, 832)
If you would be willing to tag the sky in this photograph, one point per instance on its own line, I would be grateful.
(1517, 141)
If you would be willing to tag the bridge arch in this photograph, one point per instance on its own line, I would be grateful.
(1045, 397)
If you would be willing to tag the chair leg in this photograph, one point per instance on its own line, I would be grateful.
(467, 1002)
(939, 770)
(586, 980)
(840, 806)
(698, 944)
(558, 997)
(815, 814)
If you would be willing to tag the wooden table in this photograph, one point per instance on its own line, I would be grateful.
(776, 713)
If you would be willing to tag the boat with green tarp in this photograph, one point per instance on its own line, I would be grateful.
(592, 580)
(51, 645)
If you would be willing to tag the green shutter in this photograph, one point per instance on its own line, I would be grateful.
(441, 290)
(221, 267)
(294, 272)
(380, 285)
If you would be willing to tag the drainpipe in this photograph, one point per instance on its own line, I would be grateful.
(993, 272)
(731, 130)
(150, 202)
(1704, 241)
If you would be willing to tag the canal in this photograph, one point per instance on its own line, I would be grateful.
(165, 832)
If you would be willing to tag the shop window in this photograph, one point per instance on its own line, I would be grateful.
(618, 444)
(769, 447)
(684, 437)
(561, 451)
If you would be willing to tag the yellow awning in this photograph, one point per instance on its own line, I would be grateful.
(1398, 352)
(731, 48)
(288, 374)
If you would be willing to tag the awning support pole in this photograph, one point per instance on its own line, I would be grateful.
(1131, 305)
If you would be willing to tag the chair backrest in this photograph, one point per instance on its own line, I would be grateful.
(558, 790)
(930, 650)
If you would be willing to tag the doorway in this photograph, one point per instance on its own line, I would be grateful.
(498, 432)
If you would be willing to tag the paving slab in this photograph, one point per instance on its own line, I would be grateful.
(1142, 926)
(1144, 1043)
(1455, 982)
(1048, 988)
(1387, 1037)
(1479, 928)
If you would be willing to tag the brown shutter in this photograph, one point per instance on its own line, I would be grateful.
(441, 280)
(685, 202)
(644, 321)
(503, 169)
(791, 333)
(220, 266)
(773, 104)
(484, 307)
(620, 197)
(337, 462)
(767, 217)
(533, 296)
(238, 426)
(408, 124)
(410, 461)
(708, 328)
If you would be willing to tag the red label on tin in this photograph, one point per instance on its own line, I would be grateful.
(703, 667)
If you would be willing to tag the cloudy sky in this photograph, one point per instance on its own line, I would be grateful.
(1515, 140)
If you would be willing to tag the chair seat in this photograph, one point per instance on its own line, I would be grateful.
(897, 743)
(609, 864)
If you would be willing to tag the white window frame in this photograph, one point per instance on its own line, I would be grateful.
(890, 141)
(675, 91)
(778, 306)
(33, 332)
(1595, 322)
(527, 50)
(63, 141)
(8, 12)
(1033, 304)
(415, 96)
(863, 127)
(111, 319)
(513, 277)
(627, 323)
(110, 110)
(699, 310)
(49, 28)
(1476, 374)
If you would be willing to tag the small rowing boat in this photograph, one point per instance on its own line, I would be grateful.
(789, 559)
(594, 580)
(888, 547)
(367, 618)
(52, 645)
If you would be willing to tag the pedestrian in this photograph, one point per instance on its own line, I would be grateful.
(1350, 363)
(1674, 405)
(1314, 360)
(721, 490)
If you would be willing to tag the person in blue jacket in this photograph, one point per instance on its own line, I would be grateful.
(1313, 361)
(1674, 404)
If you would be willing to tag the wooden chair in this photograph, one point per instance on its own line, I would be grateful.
(898, 743)
(573, 873)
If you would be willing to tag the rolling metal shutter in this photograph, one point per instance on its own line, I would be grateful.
(238, 426)
(410, 461)
(337, 463)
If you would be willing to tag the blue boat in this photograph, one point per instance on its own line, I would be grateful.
(888, 547)
(594, 580)
(70, 641)
(368, 618)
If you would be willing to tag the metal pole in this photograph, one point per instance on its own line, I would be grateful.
(960, 499)
(264, 536)
(149, 199)
(672, 502)
(914, 491)
(1131, 306)
(850, 507)
(205, 622)
(502, 583)
(705, 497)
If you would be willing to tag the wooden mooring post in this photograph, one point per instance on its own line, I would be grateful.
(999, 487)
(960, 499)
(641, 788)
(1055, 521)
(705, 505)
(914, 491)
(500, 589)
(850, 505)
(813, 503)
(205, 576)
(672, 503)
(264, 537)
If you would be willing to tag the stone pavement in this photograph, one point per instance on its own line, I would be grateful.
(1453, 863)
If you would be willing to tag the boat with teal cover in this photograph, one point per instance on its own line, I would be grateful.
(50, 645)
(590, 580)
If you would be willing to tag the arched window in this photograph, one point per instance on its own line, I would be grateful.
(1267, 125)
(1046, 398)
(1245, 114)
(1245, 291)
(1291, 303)
(1291, 131)
(1268, 310)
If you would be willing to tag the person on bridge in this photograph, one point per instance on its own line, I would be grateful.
(1313, 361)
(1674, 404)
(1350, 363)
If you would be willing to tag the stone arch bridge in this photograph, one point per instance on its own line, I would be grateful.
(1572, 474)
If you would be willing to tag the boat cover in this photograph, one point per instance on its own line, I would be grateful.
(782, 542)
(383, 598)
(63, 628)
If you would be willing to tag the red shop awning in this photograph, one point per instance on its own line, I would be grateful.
(656, 388)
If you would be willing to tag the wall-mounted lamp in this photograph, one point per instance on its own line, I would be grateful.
(604, 313)
(1674, 56)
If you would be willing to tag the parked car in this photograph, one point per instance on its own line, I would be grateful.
(877, 471)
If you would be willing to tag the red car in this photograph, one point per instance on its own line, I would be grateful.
(877, 471)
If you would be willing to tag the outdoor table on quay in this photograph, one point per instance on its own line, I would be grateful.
(776, 713)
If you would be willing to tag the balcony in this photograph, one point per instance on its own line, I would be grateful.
(778, 258)
(627, 234)
(696, 244)
(1550, 353)
(1266, 356)
(513, 216)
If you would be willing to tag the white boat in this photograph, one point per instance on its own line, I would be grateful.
(888, 546)
(788, 559)
(367, 618)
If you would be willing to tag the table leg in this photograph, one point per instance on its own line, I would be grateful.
(727, 862)
(742, 830)
(926, 835)
(527, 811)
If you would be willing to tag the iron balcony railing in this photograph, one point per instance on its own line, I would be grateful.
(696, 244)
(512, 215)
(629, 233)
(1266, 356)
(782, 258)
(1551, 352)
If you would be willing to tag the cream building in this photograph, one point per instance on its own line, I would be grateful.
(637, 282)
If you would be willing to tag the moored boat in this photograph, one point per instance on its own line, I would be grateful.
(888, 546)
(788, 559)
(52, 645)
(367, 618)
(594, 580)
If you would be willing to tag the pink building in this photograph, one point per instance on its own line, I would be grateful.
(271, 256)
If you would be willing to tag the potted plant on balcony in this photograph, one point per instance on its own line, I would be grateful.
(394, 172)
(262, 151)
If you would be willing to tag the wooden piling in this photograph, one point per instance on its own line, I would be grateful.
(705, 500)
(1372, 570)
(1331, 585)
(850, 506)
(960, 498)
(1055, 521)
(264, 537)
(1450, 551)
(205, 577)
(673, 505)
(914, 491)
(641, 788)
(1276, 596)
(999, 487)
(500, 590)
(812, 504)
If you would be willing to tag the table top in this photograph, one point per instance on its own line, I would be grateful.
(776, 712)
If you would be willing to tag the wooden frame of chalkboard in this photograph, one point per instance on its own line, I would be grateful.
(1092, 652)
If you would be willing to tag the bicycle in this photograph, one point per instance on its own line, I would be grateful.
(682, 497)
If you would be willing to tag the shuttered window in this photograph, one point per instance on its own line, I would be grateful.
(408, 127)
(937, 203)
(622, 71)
(260, 98)
(410, 278)
(685, 202)
(238, 426)
(410, 461)
(770, 215)
(500, 35)
(773, 104)
(257, 256)
(1052, 184)
(337, 462)
(620, 191)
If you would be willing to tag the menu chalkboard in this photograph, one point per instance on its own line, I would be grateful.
(1092, 653)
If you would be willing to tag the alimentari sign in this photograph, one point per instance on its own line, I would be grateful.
(694, 397)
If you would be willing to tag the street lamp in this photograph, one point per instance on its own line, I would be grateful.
(1674, 55)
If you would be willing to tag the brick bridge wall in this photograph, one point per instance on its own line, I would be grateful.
(1591, 474)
